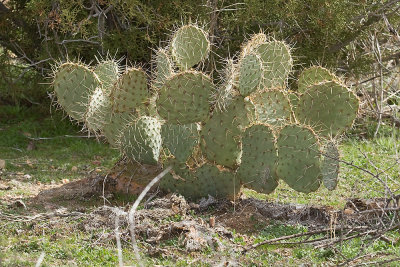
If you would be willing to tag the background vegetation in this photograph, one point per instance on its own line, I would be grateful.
(333, 33)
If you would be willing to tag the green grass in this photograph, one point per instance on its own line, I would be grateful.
(54, 159)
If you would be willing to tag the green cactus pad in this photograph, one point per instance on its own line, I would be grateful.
(140, 140)
(185, 98)
(181, 180)
(272, 107)
(189, 46)
(257, 169)
(330, 107)
(112, 128)
(221, 134)
(253, 43)
(330, 165)
(223, 95)
(130, 91)
(204, 181)
(98, 112)
(163, 68)
(277, 63)
(108, 73)
(180, 139)
(250, 74)
(299, 158)
(73, 86)
(314, 75)
(217, 183)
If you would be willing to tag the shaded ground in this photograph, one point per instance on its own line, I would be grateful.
(75, 221)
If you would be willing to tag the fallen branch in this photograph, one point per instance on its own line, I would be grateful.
(328, 230)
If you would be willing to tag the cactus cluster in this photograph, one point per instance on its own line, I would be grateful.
(249, 130)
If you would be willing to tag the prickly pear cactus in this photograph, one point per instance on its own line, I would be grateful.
(250, 74)
(140, 140)
(221, 134)
(74, 83)
(330, 165)
(189, 46)
(314, 75)
(163, 68)
(272, 106)
(108, 72)
(299, 158)
(180, 139)
(185, 98)
(260, 154)
(329, 107)
(130, 91)
(98, 111)
(246, 130)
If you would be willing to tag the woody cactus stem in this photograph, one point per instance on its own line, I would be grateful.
(244, 132)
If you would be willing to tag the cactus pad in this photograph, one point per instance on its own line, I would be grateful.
(272, 106)
(330, 165)
(189, 46)
(251, 45)
(108, 73)
(163, 68)
(313, 75)
(98, 112)
(73, 85)
(204, 181)
(130, 91)
(330, 107)
(299, 158)
(185, 98)
(250, 74)
(257, 169)
(223, 95)
(221, 134)
(182, 180)
(217, 183)
(112, 128)
(277, 63)
(180, 139)
(140, 140)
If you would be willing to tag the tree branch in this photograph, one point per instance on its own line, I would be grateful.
(371, 18)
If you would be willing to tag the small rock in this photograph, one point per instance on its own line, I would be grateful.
(212, 221)
(74, 169)
(348, 211)
(18, 204)
(96, 162)
(194, 241)
(27, 176)
(31, 146)
(194, 206)
(29, 163)
(2, 164)
(5, 187)
(205, 203)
